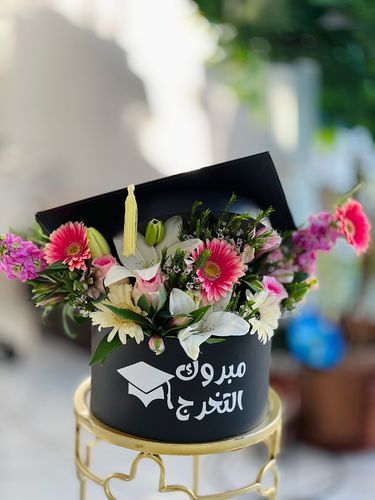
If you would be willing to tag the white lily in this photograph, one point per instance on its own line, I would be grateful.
(116, 274)
(214, 322)
(146, 260)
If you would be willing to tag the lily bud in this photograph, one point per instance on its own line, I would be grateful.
(154, 232)
(156, 344)
(97, 243)
(179, 321)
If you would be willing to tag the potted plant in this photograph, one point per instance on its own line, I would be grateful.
(183, 309)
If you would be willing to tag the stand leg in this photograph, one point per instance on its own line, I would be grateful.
(273, 451)
(82, 489)
(196, 463)
(82, 480)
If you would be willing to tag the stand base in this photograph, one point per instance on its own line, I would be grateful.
(268, 432)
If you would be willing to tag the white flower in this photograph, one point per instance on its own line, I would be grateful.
(215, 322)
(146, 260)
(267, 315)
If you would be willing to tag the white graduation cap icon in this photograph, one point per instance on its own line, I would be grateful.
(146, 382)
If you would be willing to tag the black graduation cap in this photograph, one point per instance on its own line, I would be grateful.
(254, 180)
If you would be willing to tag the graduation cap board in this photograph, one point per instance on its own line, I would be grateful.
(254, 180)
(146, 382)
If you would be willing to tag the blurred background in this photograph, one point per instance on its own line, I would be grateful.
(96, 94)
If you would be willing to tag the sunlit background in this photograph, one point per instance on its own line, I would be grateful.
(97, 94)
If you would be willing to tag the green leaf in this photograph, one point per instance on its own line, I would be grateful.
(300, 276)
(129, 315)
(67, 319)
(213, 340)
(56, 266)
(164, 314)
(143, 304)
(198, 314)
(162, 298)
(104, 349)
(344, 198)
(255, 285)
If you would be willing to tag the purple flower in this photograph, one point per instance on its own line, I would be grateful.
(20, 259)
(321, 234)
(306, 262)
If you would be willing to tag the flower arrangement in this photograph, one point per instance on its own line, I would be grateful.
(199, 279)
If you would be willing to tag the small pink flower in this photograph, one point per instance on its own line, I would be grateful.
(354, 225)
(220, 271)
(69, 245)
(247, 254)
(274, 288)
(270, 242)
(156, 344)
(103, 265)
(275, 256)
(149, 288)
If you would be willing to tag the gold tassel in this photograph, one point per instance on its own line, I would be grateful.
(130, 223)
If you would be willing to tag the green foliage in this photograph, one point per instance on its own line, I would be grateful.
(297, 292)
(162, 298)
(349, 194)
(215, 340)
(144, 305)
(70, 319)
(199, 223)
(201, 259)
(129, 315)
(338, 34)
(229, 226)
(57, 285)
(235, 299)
(104, 349)
(198, 314)
(175, 268)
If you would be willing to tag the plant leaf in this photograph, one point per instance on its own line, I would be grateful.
(56, 266)
(162, 298)
(300, 276)
(198, 314)
(344, 198)
(213, 340)
(104, 349)
(164, 314)
(67, 317)
(255, 285)
(129, 315)
(143, 304)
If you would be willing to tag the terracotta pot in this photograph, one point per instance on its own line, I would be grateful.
(171, 398)
(338, 406)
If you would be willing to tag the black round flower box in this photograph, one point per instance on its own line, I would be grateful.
(172, 398)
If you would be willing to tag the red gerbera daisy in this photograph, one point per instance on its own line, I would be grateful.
(354, 225)
(68, 244)
(220, 271)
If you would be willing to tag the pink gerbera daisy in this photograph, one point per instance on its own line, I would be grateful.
(354, 225)
(220, 271)
(68, 244)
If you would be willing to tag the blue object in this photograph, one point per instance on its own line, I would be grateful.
(315, 341)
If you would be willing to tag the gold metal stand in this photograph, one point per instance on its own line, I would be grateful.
(267, 432)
